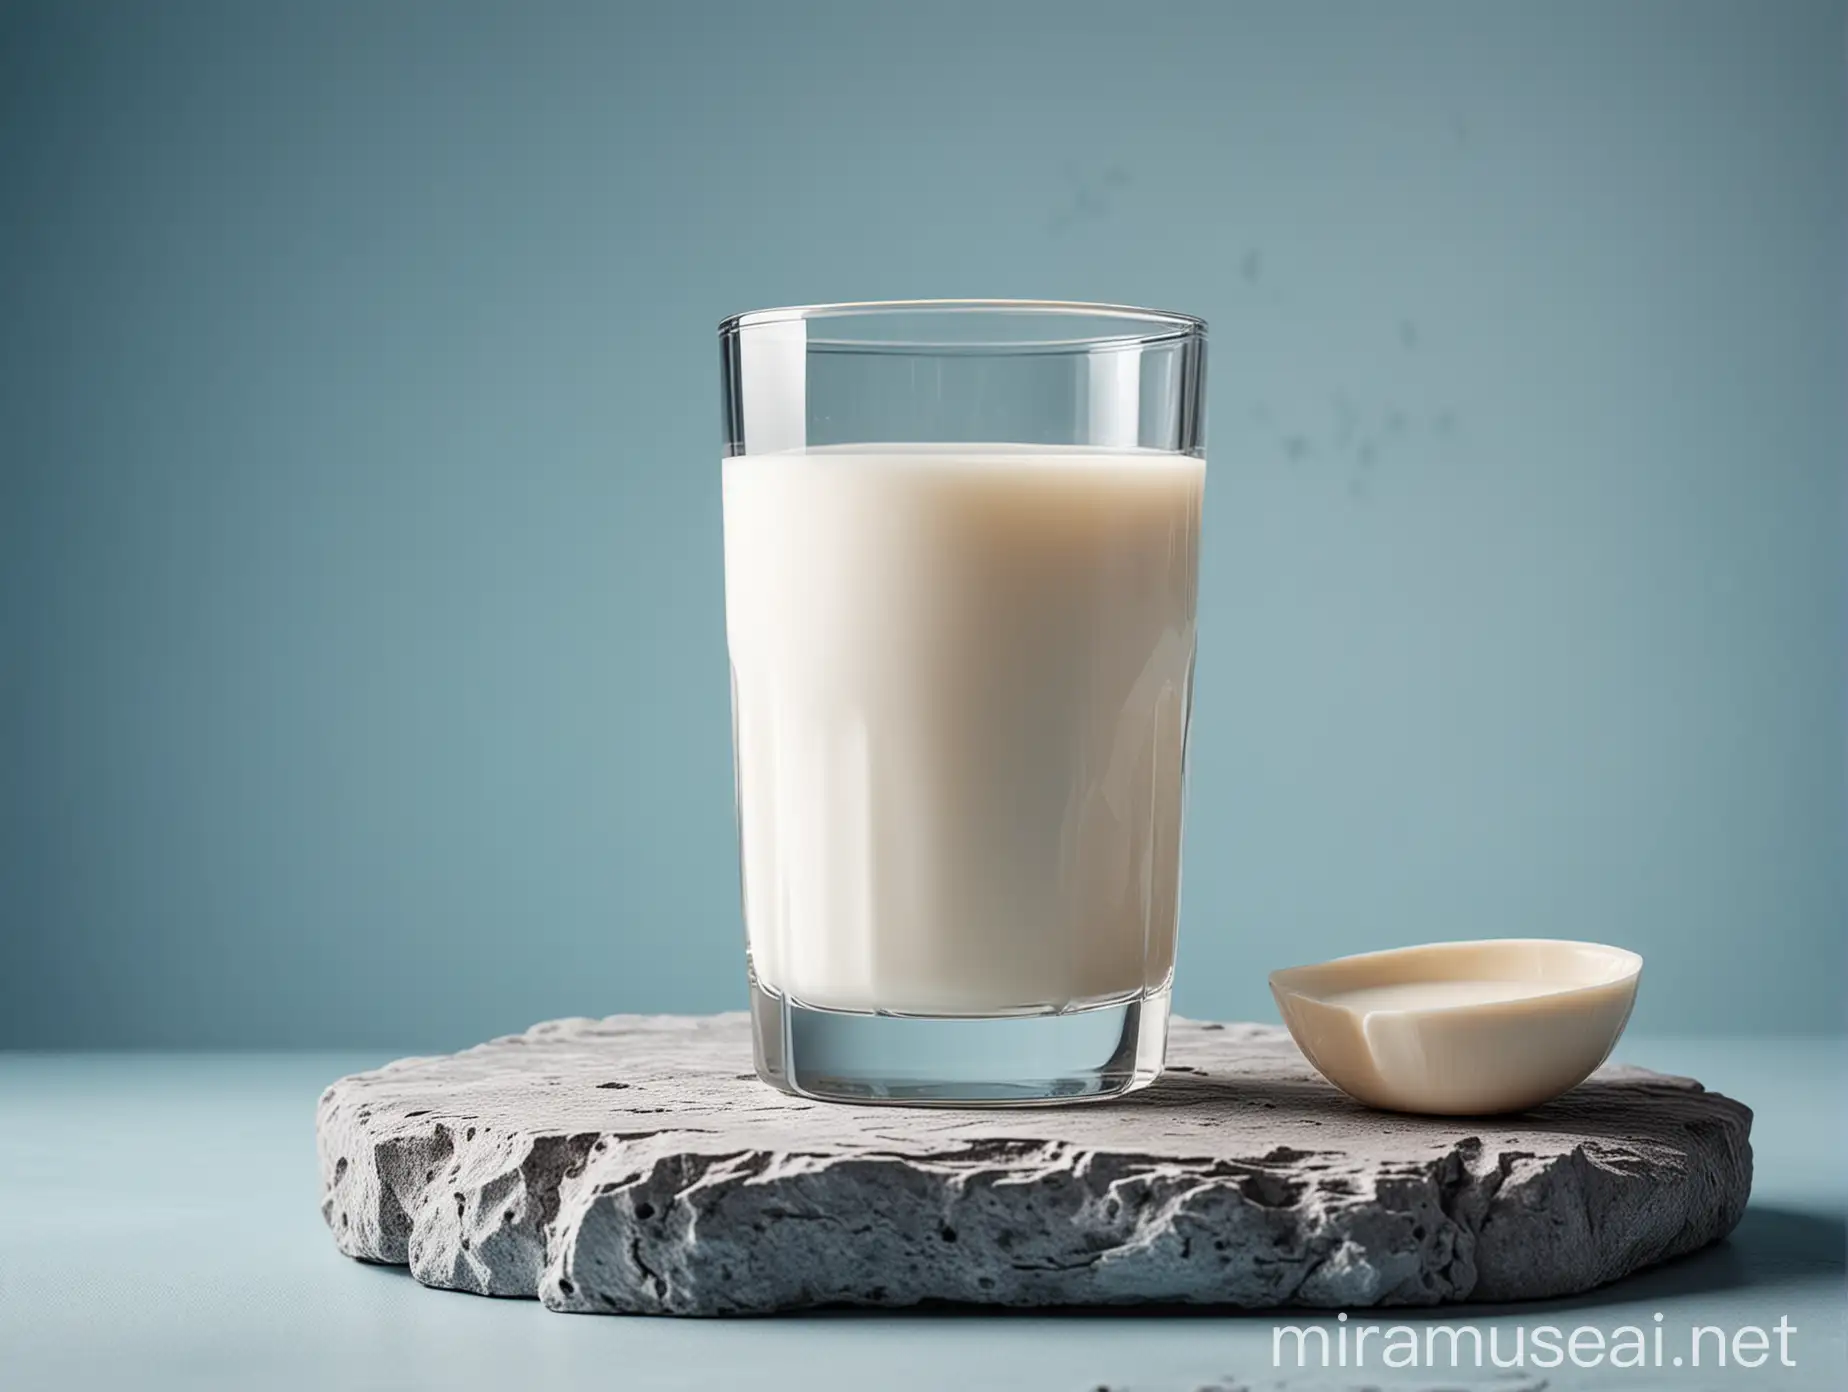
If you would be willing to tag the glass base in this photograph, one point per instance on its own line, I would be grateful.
(962, 1061)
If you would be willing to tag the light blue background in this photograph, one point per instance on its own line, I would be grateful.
(362, 672)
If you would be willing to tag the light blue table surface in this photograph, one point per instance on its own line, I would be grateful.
(159, 1229)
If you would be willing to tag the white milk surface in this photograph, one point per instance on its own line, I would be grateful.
(961, 678)
(1441, 995)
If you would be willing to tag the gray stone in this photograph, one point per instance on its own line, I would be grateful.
(635, 1164)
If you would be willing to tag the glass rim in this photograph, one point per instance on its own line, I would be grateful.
(1140, 326)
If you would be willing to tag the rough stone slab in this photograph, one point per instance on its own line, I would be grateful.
(635, 1164)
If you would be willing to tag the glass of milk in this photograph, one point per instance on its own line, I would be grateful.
(961, 561)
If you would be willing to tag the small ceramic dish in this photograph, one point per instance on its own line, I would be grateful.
(1461, 1028)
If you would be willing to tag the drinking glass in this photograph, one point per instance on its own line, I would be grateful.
(961, 565)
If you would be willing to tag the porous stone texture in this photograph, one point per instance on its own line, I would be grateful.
(636, 1165)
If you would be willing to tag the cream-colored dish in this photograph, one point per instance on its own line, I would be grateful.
(1461, 1028)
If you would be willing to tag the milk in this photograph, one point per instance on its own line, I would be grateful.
(1440, 995)
(961, 680)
